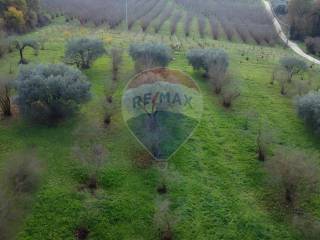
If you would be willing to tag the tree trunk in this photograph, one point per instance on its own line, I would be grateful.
(22, 60)
(289, 198)
(5, 105)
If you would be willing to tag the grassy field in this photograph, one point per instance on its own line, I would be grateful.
(216, 187)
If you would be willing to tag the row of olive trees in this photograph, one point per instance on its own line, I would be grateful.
(187, 24)
(66, 87)
(139, 10)
(107, 12)
(166, 14)
(237, 19)
(153, 14)
(293, 173)
(174, 22)
(291, 71)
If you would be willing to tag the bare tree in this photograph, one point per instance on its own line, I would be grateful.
(217, 63)
(93, 160)
(230, 93)
(295, 175)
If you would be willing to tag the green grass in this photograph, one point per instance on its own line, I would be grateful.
(216, 185)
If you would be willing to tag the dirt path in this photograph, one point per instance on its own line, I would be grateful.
(284, 38)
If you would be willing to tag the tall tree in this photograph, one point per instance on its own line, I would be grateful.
(315, 19)
(298, 18)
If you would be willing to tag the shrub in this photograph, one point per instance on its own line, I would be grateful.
(150, 55)
(83, 51)
(309, 110)
(22, 174)
(47, 93)
(116, 55)
(5, 102)
(293, 66)
(229, 94)
(302, 87)
(216, 63)
(294, 175)
(313, 45)
(196, 58)
(91, 155)
(21, 45)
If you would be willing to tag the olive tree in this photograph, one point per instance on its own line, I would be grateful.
(48, 93)
(215, 62)
(21, 46)
(149, 55)
(294, 175)
(293, 66)
(309, 110)
(230, 93)
(83, 51)
(196, 58)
